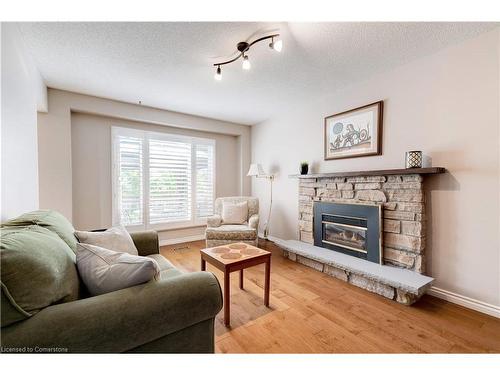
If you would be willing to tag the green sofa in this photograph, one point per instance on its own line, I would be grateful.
(45, 307)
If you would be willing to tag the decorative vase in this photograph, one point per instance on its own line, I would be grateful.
(304, 168)
(414, 159)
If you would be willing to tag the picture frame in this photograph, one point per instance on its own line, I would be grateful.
(354, 133)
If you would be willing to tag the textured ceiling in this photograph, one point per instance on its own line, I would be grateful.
(169, 65)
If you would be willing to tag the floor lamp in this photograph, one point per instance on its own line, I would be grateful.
(256, 170)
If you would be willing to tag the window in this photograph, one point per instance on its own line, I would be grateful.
(130, 186)
(161, 181)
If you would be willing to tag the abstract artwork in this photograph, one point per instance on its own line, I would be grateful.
(354, 133)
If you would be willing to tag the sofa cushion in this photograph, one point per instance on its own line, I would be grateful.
(37, 270)
(162, 262)
(104, 270)
(167, 270)
(231, 232)
(116, 239)
(234, 213)
(49, 219)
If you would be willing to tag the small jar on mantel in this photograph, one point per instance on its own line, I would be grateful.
(413, 159)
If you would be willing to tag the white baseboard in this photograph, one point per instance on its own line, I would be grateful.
(464, 301)
(269, 238)
(273, 239)
(173, 241)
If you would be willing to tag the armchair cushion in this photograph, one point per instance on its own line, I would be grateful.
(231, 232)
(253, 204)
(234, 213)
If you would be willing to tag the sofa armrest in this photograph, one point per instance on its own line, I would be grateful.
(146, 242)
(121, 320)
(253, 222)
(214, 221)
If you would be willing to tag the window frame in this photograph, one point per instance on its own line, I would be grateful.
(146, 135)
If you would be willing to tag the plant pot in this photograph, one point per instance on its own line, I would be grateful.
(304, 169)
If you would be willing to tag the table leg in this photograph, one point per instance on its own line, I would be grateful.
(267, 282)
(203, 264)
(241, 279)
(227, 301)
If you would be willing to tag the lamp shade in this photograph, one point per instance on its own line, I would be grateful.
(255, 170)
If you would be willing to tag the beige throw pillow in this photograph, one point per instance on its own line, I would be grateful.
(234, 213)
(116, 239)
(103, 270)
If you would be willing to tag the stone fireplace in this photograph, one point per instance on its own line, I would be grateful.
(377, 218)
(403, 211)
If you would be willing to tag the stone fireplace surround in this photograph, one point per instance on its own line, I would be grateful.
(400, 192)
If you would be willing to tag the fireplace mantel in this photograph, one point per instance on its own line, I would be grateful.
(381, 172)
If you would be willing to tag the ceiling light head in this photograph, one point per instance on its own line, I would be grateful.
(246, 63)
(276, 45)
(218, 74)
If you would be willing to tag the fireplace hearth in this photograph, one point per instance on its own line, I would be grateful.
(352, 229)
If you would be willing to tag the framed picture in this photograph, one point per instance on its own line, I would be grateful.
(354, 133)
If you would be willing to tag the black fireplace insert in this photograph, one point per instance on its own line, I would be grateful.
(352, 229)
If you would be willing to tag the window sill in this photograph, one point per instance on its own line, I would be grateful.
(166, 227)
(189, 226)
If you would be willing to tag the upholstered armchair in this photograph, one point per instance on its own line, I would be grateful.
(218, 233)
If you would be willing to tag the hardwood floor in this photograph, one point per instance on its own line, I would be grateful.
(311, 312)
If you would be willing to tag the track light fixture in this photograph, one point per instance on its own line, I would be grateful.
(243, 47)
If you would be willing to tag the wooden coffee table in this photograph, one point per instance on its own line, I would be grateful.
(236, 257)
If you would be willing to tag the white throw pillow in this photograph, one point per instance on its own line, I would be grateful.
(234, 213)
(103, 270)
(116, 239)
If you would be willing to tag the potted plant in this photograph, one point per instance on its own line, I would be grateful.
(304, 167)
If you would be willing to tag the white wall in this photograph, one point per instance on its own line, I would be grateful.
(55, 135)
(23, 91)
(447, 105)
(91, 166)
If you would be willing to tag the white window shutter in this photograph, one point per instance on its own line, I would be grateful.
(204, 180)
(128, 180)
(169, 181)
